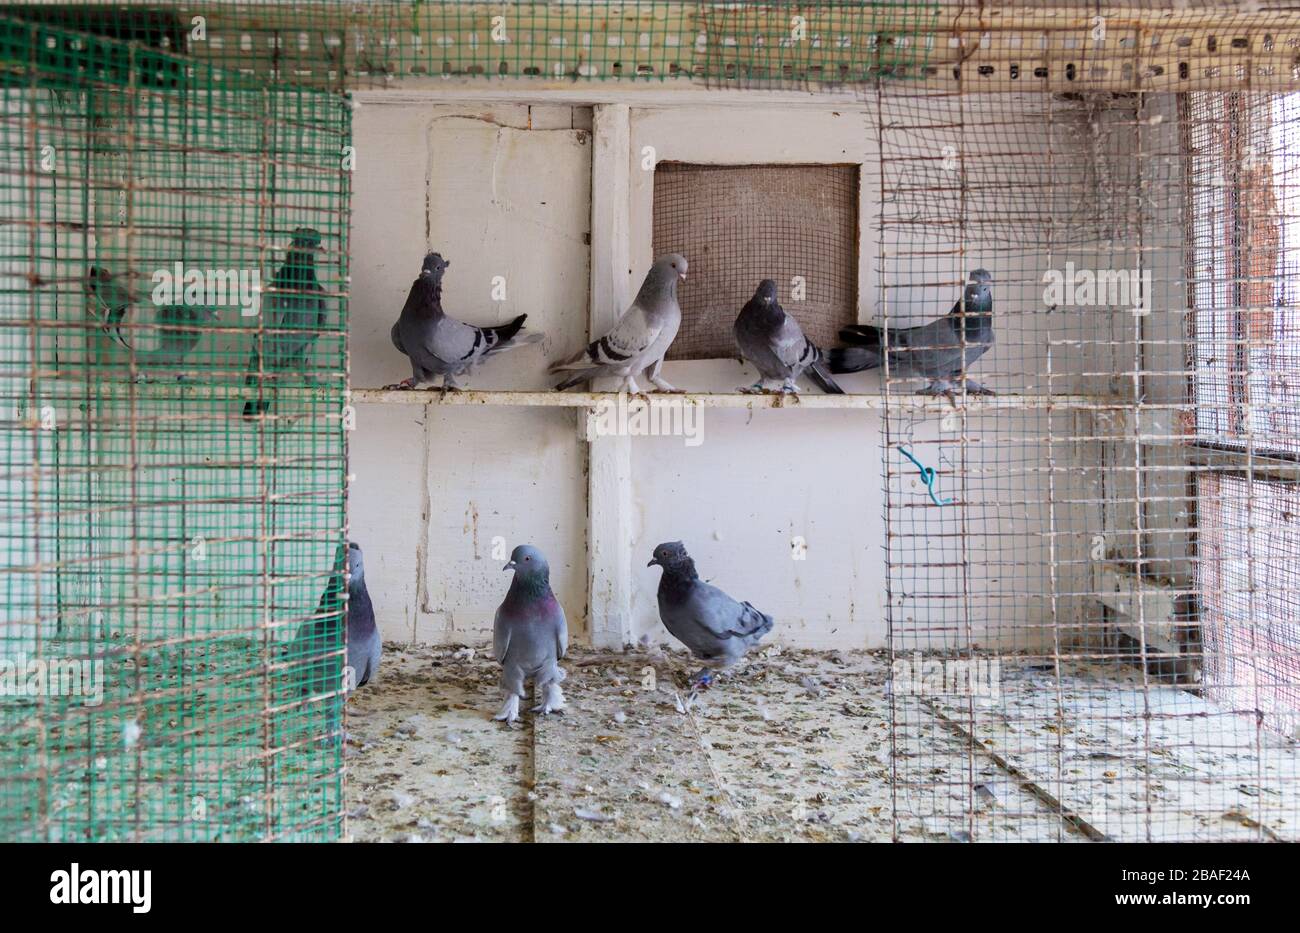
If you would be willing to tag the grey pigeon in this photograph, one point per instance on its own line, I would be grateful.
(440, 345)
(179, 329)
(320, 635)
(109, 302)
(293, 314)
(771, 340)
(932, 351)
(640, 338)
(176, 331)
(717, 629)
(530, 635)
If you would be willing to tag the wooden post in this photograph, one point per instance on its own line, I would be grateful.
(609, 464)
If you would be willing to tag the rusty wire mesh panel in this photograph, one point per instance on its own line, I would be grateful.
(172, 374)
(740, 224)
(1080, 565)
(1250, 600)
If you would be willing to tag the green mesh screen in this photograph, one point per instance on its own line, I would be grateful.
(338, 42)
(173, 310)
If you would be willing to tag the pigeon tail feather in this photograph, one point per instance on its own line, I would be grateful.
(818, 374)
(852, 359)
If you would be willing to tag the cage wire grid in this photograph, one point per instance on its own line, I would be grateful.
(1101, 565)
(174, 371)
(1105, 575)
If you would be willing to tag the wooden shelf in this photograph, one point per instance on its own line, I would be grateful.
(876, 401)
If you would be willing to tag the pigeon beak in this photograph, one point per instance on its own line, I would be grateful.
(509, 566)
(682, 276)
(653, 561)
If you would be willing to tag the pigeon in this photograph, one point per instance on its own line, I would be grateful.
(530, 635)
(320, 635)
(640, 338)
(179, 332)
(176, 332)
(293, 314)
(771, 340)
(934, 350)
(440, 345)
(716, 628)
(109, 302)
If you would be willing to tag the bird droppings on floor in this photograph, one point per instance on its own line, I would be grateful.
(793, 745)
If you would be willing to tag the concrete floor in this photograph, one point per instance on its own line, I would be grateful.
(797, 746)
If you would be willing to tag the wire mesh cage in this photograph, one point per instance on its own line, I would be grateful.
(174, 372)
(1093, 627)
(1094, 585)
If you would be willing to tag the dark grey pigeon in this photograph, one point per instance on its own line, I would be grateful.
(932, 351)
(641, 337)
(174, 333)
(320, 635)
(179, 328)
(293, 312)
(530, 635)
(772, 340)
(440, 345)
(717, 629)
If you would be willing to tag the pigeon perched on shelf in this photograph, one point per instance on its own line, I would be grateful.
(179, 330)
(932, 351)
(641, 337)
(530, 635)
(440, 345)
(717, 629)
(772, 340)
(321, 635)
(293, 314)
(170, 338)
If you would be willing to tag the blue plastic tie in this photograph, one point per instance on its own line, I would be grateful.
(927, 477)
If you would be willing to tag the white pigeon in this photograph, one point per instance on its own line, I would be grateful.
(640, 339)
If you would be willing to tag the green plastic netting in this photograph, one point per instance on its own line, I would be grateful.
(341, 43)
(173, 311)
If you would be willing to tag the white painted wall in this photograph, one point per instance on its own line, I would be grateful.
(435, 486)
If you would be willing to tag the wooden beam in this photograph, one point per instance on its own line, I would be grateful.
(609, 463)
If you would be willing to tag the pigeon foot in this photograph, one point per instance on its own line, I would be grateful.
(552, 702)
(509, 710)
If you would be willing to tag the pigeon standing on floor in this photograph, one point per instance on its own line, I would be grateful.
(320, 635)
(440, 345)
(772, 340)
(293, 315)
(109, 301)
(717, 629)
(641, 337)
(932, 351)
(530, 635)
